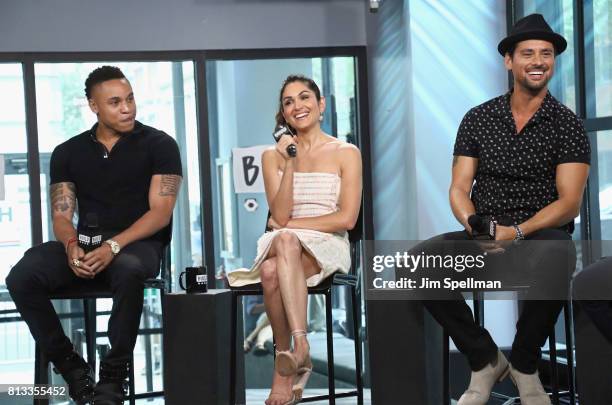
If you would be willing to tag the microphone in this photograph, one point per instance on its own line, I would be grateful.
(482, 228)
(91, 237)
(281, 130)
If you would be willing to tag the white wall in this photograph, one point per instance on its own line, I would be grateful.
(133, 25)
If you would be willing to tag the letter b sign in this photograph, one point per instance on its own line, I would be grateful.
(247, 171)
(250, 170)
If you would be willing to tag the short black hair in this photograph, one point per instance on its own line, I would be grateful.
(101, 74)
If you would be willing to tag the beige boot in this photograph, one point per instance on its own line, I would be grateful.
(530, 388)
(482, 381)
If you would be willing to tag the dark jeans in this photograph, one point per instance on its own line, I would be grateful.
(537, 317)
(593, 290)
(44, 269)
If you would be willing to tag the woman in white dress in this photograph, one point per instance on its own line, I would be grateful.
(314, 198)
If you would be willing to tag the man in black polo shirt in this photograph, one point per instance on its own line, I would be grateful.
(521, 159)
(124, 176)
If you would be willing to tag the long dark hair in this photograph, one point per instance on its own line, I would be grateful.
(280, 120)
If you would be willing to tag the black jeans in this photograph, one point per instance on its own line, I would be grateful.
(44, 269)
(593, 290)
(535, 322)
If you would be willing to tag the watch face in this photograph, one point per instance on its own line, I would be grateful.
(114, 246)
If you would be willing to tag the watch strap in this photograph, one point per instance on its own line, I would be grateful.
(519, 233)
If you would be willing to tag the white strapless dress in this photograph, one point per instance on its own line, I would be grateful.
(314, 194)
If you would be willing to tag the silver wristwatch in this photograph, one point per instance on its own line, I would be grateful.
(519, 233)
(115, 248)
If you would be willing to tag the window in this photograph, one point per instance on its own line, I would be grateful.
(17, 353)
(604, 160)
(599, 42)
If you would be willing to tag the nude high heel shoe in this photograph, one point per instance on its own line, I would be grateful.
(482, 381)
(301, 378)
(286, 363)
(292, 401)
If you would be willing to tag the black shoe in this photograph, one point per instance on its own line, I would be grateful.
(78, 375)
(111, 389)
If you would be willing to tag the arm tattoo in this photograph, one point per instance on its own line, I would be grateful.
(63, 197)
(455, 160)
(169, 185)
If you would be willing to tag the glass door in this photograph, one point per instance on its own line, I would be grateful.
(17, 350)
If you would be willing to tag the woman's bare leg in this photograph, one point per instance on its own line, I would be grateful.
(273, 302)
(281, 386)
(277, 314)
(293, 267)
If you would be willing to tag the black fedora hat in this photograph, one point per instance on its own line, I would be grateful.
(533, 26)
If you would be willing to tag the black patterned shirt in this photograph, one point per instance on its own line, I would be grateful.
(515, 177)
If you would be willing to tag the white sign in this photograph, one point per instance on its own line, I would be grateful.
(2, 178)
(246, 164)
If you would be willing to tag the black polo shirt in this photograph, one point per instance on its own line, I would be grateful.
(515, 177)
(115, 186)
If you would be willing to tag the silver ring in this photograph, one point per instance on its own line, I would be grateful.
(76, 262)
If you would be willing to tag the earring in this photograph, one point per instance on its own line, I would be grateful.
(321, 117)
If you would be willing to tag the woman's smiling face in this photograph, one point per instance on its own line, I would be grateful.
(301, 108)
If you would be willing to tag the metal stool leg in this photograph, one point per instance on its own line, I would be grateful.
(148, 349)
(132, 381)
(478, 308)
(233, 354)
(89, 310)
(554, 375)
(356, 322)
(330, 349)
(445, 369)
(569, 339)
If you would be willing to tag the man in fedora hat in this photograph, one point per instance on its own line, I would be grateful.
(523, 157)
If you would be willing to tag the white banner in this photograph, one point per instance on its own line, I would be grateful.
(246, 164)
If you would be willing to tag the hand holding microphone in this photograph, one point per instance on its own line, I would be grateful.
(482, 228)
(286, 144)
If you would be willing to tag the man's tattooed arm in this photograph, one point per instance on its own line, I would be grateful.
(169, 185)
(63, 205)
(63, 199)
